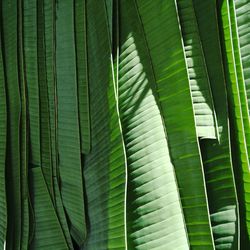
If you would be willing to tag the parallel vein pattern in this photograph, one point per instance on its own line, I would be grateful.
(104, 166)
(223, 204)
(167, 55)
(70, 167)
(3, 143)
(205, 118)
(153, 204)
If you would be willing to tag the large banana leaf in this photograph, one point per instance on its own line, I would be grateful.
(70, 168)
(82, 73)
(3, 143)
(10, 61)
(216, 154)
(104, 166)
(204, 111)
(242, 9)
(154, 215)
(167, 57)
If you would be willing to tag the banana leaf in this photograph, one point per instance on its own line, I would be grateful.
(104, 166)
(205, 117)
(163, 37)
(68, 135)
(13, 179)
(3, 144)
(223, 203)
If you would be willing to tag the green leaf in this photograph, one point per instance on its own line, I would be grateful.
(104, 166)
(240, 77)
(223, 204)
(13, 181)
(167, 56)
(82, 74)
(3, 144)
(44, 102)
(154, 212)
(49, 19)
(24, 148)
(49, 40)
(48, 233)
(242, 9)
(70, 168)
(31, 76)
(239, 146)
(243, 175)
(205, 117)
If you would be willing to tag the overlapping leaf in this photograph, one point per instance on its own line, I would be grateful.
(216, 154)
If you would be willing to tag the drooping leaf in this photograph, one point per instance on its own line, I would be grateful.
(10, 61)
(242, 9)
(154, 210)
(82, 73)
(46, 160)
(223, 204)
(31, 76)
(104, 166)
(3, 143)
(70, 168)
(205, 117)
(167, 56)
(48, 233)
(49, 19)
(239, 17)
(24, 147)
(240, 76)
(239, 148)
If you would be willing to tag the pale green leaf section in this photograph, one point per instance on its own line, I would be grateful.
(168, 61)
(205, 117)
(154, 215)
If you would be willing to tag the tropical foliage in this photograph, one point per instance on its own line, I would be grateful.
(124, 124)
